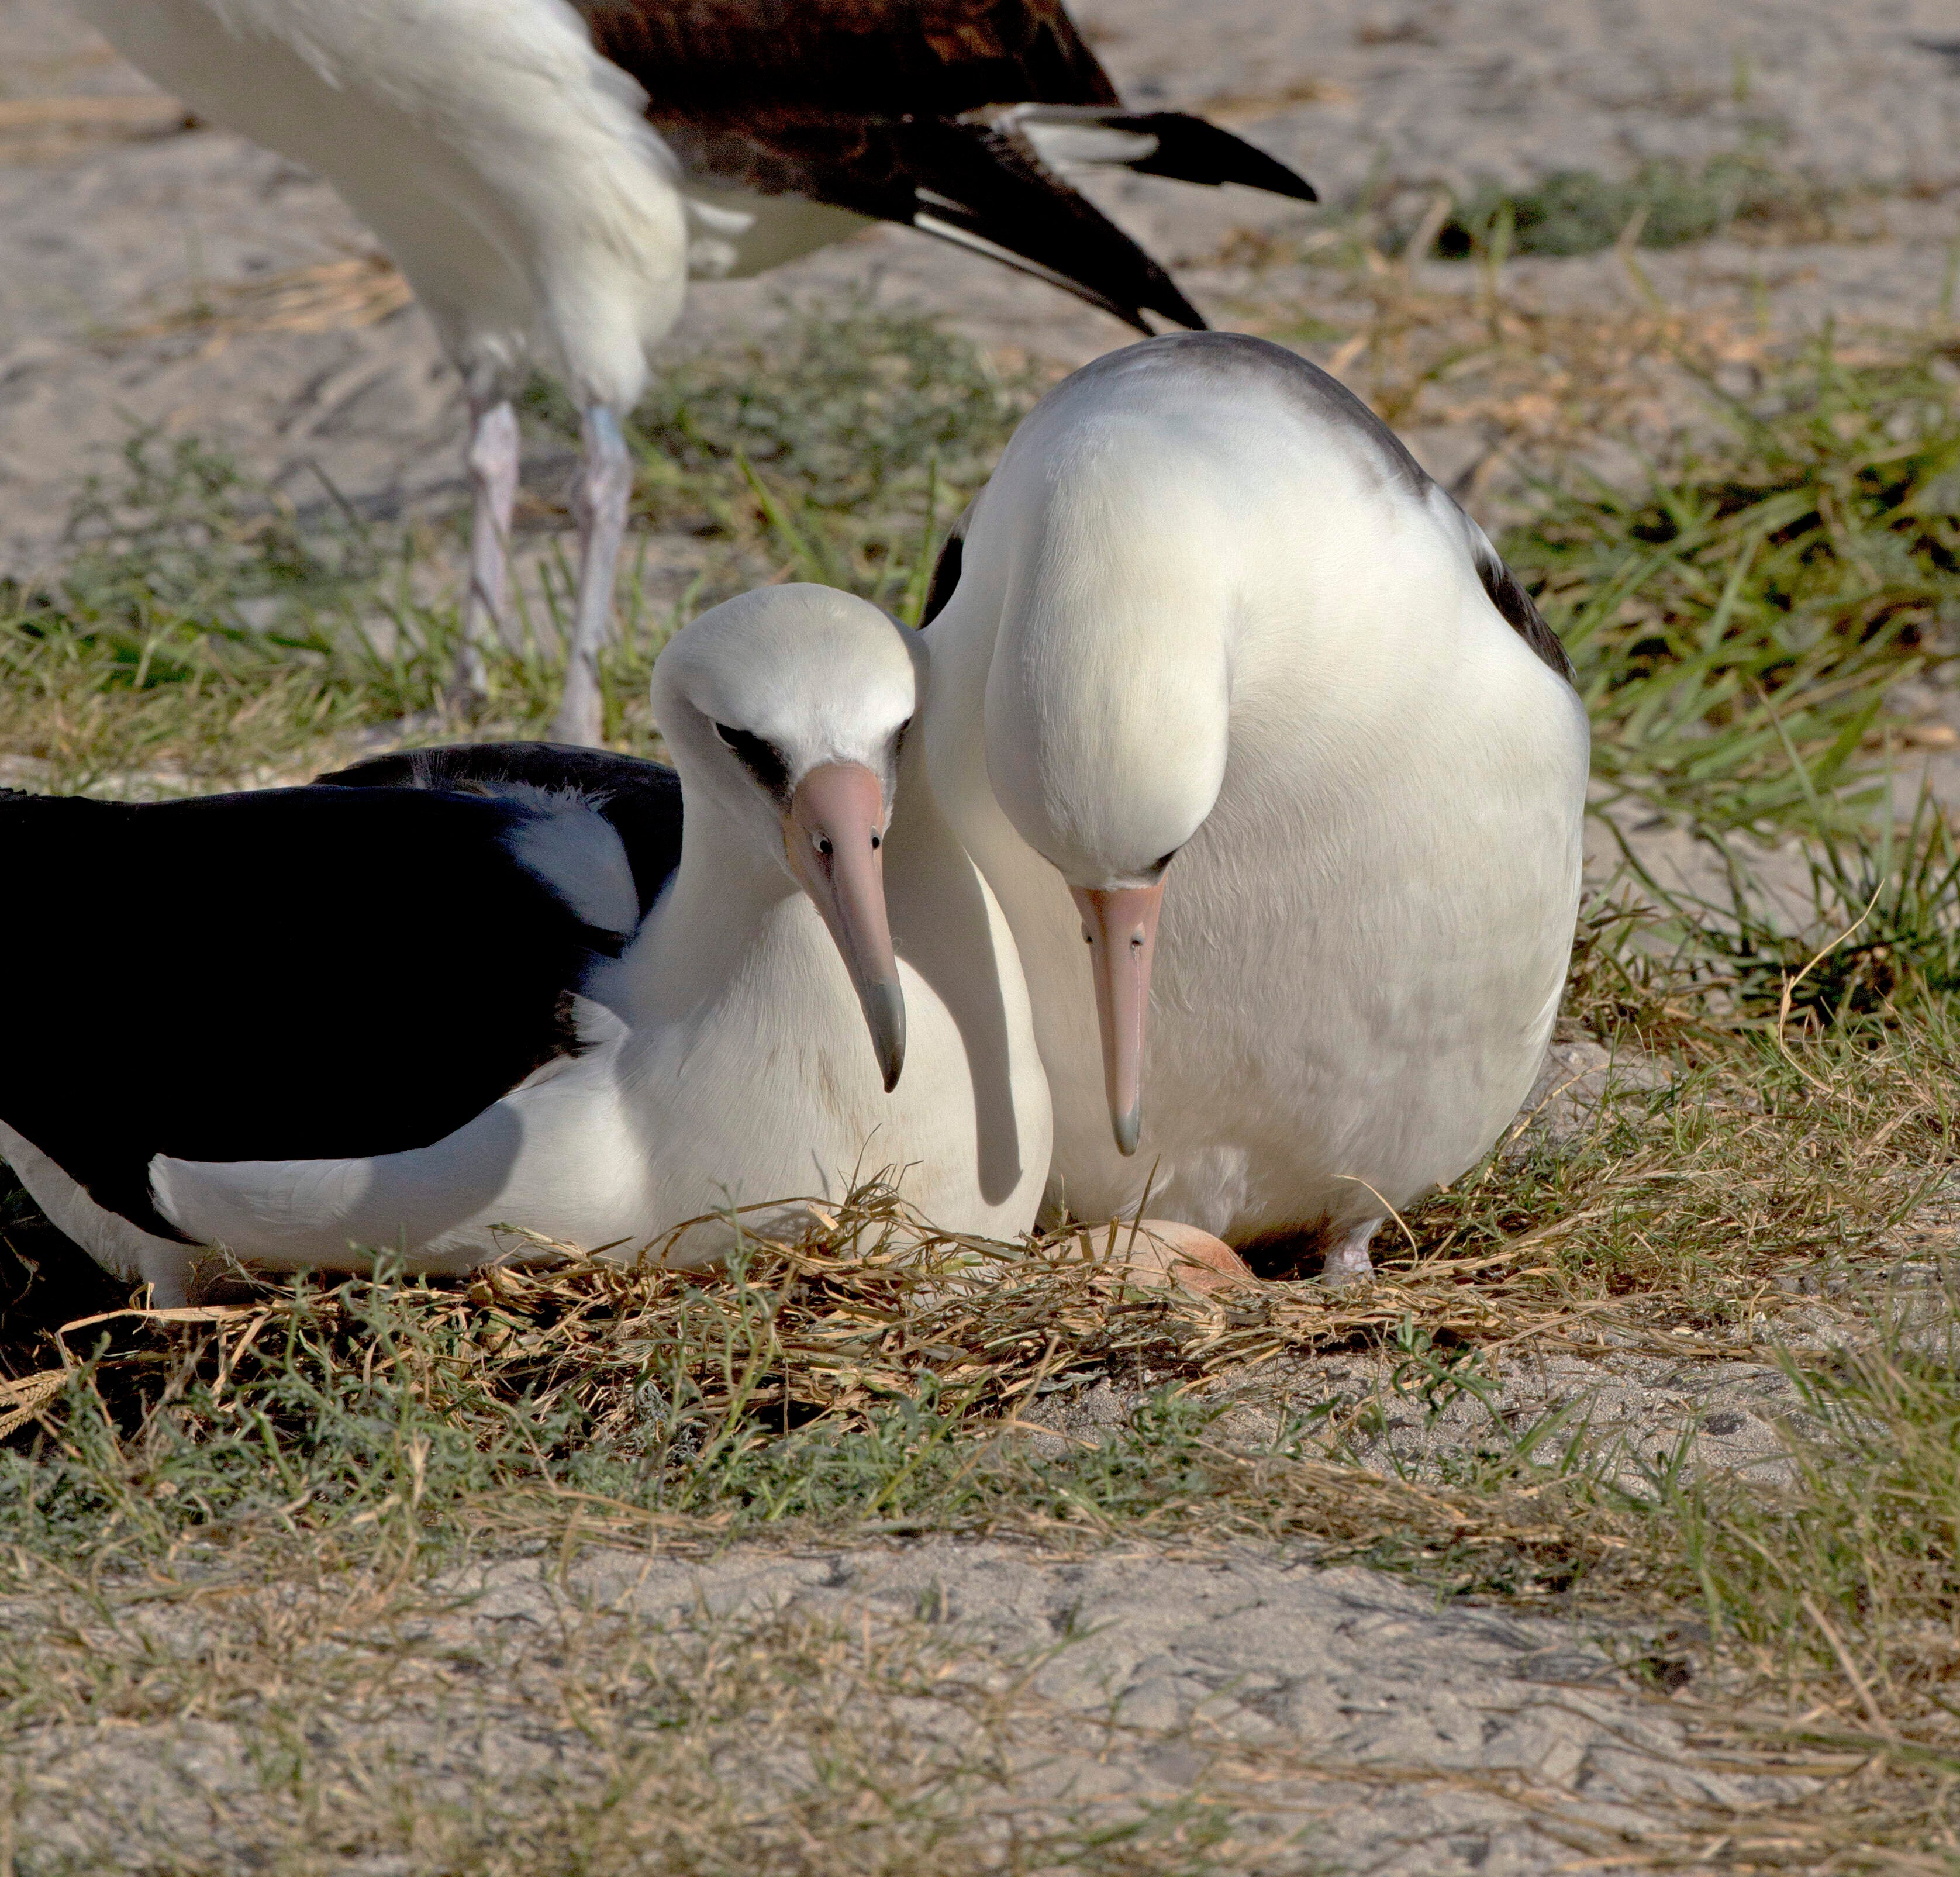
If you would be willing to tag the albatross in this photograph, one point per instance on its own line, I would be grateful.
(1278, 775)
(548, 176)
(407, 1017)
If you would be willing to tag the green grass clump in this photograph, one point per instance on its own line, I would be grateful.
(1851, 1568)
(1663, 204)
(1762, 598)
(205, 632)
(1879, 943)
(858, 411)
(189, 625)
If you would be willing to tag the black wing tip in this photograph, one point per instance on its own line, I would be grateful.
(1150, 289)
(1193, 149)
(1170, 304)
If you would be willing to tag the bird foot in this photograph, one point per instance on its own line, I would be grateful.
(1347, 1261)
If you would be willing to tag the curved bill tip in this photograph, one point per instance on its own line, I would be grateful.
(1120, 923)
(884, 1007)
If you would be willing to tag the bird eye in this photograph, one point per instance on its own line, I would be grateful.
(1158, 866)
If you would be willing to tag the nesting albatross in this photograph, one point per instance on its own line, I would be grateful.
(494, 1034)
(1224, 685)
(548, 176)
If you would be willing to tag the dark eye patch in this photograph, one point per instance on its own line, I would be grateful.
(761, 758)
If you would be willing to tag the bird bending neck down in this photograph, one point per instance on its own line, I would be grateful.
(1224, 685)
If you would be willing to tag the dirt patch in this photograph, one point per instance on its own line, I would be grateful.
(958, 1701)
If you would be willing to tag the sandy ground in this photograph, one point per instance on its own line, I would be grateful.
(1340, 1720)
(1340, 1705)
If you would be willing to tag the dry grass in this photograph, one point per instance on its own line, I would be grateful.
(359, 290)
(36, 130)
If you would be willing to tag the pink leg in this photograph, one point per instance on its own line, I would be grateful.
(491, 460)
(605, 486)
(1347, 1260)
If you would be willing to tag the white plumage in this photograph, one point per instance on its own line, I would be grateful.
(1216, 634)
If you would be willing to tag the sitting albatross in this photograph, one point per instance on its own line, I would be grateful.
(1223, 684)
(401, 1017)
(547, 176)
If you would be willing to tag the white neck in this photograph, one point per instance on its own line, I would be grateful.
(724, 895)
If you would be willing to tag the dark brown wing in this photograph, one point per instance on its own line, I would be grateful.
(711, 58)
(920, 112)
(969, 183)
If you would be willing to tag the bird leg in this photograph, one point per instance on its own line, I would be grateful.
(605, 485)
(1348, 1259)
(491, 462)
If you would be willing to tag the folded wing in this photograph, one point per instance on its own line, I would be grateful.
(955, 117)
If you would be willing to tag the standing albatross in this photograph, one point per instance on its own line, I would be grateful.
(402, 1017)
(1224, 685)
(548, 176)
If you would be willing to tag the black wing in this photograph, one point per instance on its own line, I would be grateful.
(924, 114)
(945, 570)
(641, 799)
(287, 974)
(1519, 610)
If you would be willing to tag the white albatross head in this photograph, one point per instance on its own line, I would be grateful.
(787, 707)
(1108, 695)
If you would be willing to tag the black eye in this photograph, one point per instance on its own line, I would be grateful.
(761, 758)
(1159, 866)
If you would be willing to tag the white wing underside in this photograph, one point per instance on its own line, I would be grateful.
(550, 1155)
